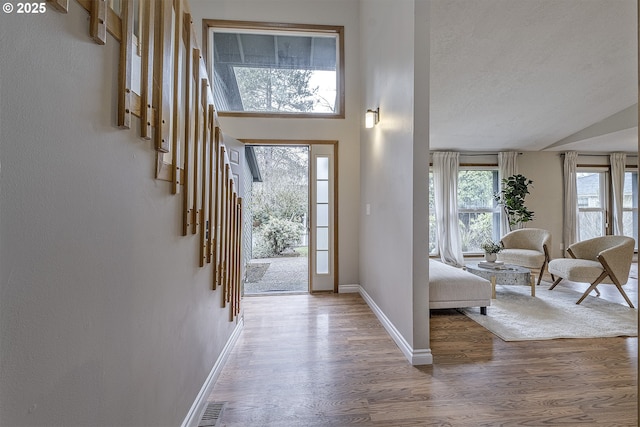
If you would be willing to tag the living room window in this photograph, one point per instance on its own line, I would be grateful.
(595, 204)
(630, 205)
(275, 69)
(592, 188)
(478, 213)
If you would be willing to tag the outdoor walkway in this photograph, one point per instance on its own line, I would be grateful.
(273, 275)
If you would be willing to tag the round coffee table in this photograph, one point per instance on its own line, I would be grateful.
(504, 274)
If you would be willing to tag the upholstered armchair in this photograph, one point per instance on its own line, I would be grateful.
(527, 247)
(605, 259)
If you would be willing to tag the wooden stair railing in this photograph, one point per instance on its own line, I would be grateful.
(174, 102)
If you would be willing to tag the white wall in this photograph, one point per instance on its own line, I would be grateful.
(346, 131)
(422, 54)
(545, 197)
(105, 318)
(393, 241)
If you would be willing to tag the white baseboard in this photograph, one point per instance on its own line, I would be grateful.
(348, 289)
(195, 413)
(421, 357)
(415, 357)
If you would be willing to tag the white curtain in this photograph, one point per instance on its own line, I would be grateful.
(445, 189)
(618, 162)
(507, 166)
(571, 225)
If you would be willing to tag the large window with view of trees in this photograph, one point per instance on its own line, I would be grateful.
(595, 203)
(286, 70)
(478, 213)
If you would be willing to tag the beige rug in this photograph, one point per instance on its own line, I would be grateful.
(517, 316)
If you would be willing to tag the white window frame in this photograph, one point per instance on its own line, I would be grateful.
(213, 25)
(633, 210)
(495, 210)
(604, 197)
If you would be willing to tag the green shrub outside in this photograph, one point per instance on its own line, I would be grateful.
(280, 234)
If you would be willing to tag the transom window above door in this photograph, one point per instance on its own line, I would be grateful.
(276, 70)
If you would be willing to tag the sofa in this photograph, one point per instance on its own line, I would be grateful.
(451, 287)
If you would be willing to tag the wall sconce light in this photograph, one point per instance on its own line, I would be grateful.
(371, 118)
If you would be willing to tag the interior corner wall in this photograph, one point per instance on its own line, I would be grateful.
(386, 227)
(105, 317)
(346, 131)
(546, 196)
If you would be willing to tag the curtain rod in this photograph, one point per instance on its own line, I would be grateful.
(519, 153)
(481, 154)
(473, 154)
(600, 155)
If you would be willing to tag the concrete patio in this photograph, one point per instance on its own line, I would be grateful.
(277, 275)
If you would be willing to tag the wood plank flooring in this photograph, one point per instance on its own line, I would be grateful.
(325, 360)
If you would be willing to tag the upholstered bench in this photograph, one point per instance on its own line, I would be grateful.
(451, 287)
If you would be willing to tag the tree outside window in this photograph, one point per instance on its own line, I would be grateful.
(286, 70)
(479, 216)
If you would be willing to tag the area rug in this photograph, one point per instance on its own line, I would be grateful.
(517, 316)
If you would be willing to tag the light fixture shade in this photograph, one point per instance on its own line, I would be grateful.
(371, 118)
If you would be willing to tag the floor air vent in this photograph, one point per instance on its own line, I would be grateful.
(212, 414)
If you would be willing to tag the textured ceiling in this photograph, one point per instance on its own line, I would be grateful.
(533, 74)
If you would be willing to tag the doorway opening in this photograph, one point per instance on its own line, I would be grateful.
(279, 207)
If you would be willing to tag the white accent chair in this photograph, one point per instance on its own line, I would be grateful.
(605, 259)
(526, 247)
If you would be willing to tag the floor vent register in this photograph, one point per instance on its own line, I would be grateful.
(212, 414)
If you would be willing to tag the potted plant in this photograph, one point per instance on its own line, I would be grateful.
(491, 250)
(511, 198)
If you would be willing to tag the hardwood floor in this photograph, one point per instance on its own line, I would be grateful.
(325, 360)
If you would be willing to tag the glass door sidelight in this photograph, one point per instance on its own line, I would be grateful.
(322, 244)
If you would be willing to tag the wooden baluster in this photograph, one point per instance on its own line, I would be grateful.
(146, 77)
(213, 129)
(204, 174)
(98, 21)
(162, 72)
(225, 240)
(231, 258)
(188, 111)
(232, 209)
(218, 218)
(223, 220)
(124, 70)
(240, 260)
(196, 143)
(177, 79)
(227, 232)
(232, 244)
